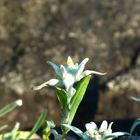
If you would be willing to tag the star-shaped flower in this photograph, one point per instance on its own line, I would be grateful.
(93, 133)
(68, 74)
(101, 133)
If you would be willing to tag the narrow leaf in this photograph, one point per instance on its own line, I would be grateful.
(37, 125)
(77, 98)
(8, 108)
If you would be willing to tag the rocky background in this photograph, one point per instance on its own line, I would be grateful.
(34, 31)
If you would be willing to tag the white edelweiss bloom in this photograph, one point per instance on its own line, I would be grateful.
(68, 74)
(93, 133)
(101, 133)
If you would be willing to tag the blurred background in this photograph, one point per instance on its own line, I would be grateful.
(34, 31)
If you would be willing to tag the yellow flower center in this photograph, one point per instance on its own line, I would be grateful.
(70, 62)
(96, 134)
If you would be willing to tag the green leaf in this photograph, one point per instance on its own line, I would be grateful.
(135, 124)
(77, 98)
(8, 108)
(37, 125)
(62, 97)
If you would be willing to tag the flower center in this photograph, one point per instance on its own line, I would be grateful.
(95, 134)
(70, 63)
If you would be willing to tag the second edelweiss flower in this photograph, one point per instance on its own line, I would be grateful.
(101, 133)
(68, 74)
(93, 133)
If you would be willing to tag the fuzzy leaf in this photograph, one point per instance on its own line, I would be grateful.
(62, 97)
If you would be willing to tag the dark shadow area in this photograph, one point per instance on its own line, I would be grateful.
(125, 70)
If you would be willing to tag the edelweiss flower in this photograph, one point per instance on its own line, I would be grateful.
(101, 133)
(93, 133)
(68, 74)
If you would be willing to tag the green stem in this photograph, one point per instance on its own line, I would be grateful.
(64, 136)
(65, 121)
